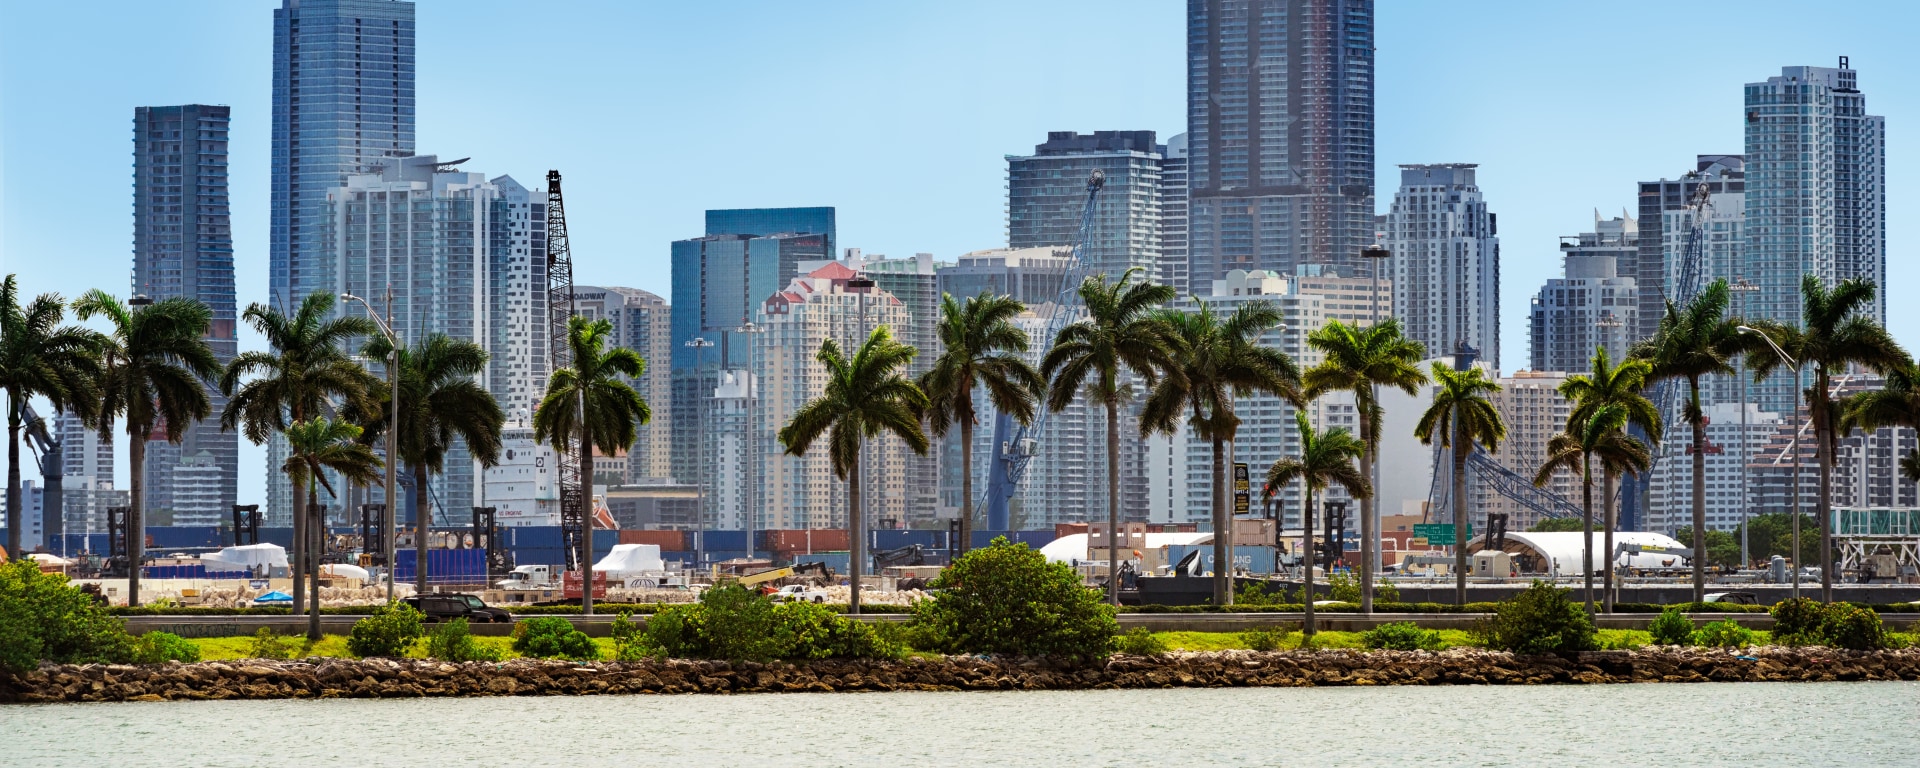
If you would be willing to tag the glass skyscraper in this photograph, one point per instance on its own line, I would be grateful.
(1047, 194)
(1280, 134)
(183, 247)
(767, 221)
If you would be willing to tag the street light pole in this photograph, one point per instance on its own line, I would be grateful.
(1370, 506)
(1794, 447)
(699, 345)
(1741, 287)
(751, 446)
(393, 432)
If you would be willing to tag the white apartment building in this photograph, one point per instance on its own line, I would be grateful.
(1446, 260)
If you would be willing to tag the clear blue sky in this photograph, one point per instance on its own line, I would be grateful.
(898, 113)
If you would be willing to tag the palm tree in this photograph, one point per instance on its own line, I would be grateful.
(304, 376)
(1897, 404)
(1215, 361)
(1360, 359)
(1835, 335)
(593, 404)
(982, 348)
(1326, 458)
(41, 358)
(1120, 336)
(1461, 419)
(866, 396)
(1602, 435)
(1605, 385)
(439, 403)
(1691, 342)
(155, 367)
(320, 444)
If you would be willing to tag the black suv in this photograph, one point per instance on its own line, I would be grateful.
(444, 607)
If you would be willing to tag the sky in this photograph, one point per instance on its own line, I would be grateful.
(899, 114)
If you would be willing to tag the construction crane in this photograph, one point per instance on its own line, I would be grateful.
(52, 472)
(1014, 443)
(560, 308)
(1667, 395)
(1510, 484)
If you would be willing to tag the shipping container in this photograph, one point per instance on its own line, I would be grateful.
(1035, 539)
(185, 536)
(836, 561)
(1068, 529)
(1256, 560)
(808, 540)
(731, 540)
(444, 566)
(665, 540)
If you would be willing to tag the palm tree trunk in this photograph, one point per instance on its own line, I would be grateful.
(1586, 526)
(853, 536)
(1222, 529)
(298, 569)
(1368, 530)
(315, 545)
(1823, 448)
(15, 518)
(423, 519)
(966, 488)
(1699, 495)
(1606, 566)
(1460, 450)
(1310, 555)
(1113, 502)
(586, 523)
(136, 520)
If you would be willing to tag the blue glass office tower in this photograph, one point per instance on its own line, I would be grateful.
(183, 247)
(342, 100)
(1280, 131)
(767, 221)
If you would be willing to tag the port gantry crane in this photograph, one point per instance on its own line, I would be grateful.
(561, 307)
(1014, 444)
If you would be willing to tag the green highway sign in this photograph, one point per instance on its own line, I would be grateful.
(1438, 533)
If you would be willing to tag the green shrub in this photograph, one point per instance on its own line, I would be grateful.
(44, 618)
(630, 640)
(453, 641)
(1542, 619)
(552, 637)
(731, 622)
(1345, 587)
(390, 631)
(1269, 638)
(1671, 627)
(162, 647)
(269, 645)
(1725, 633)
(1139, 642)
(813, 631)
(1854, 628)
(1384, 592)
(1401, 636)
(1008, 599)
(1797, 620)
(1256, 594)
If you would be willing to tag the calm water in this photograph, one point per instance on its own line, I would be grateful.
(1750, 724)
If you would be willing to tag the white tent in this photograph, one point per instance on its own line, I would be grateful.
(1073, 546)
(245, 558)
(630, 559)
(344, 571)
(1562, 553)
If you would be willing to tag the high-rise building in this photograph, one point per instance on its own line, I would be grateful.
(1530, 404)
(1446, 260)
(727, 449)
(802, 491)
(458, 253)
(1351, 300)
(1592, 305)
(768, 221)
(719, 283)
(642, 322)
(1032, 275)
(1047, 195)
(1665, 206)
(183, 248)
(1280, 132)
(86, 476)
(915, 283)
(1670, 484)
(1173, 215)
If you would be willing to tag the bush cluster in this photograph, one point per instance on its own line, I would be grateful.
(1671, 627)
(1805, 621)
(44, 618)
(1346, 588)
(1401, 636)
(390, 631)
(1139, 641)
(1268, 638)
(1542, 619)
(1725, 633)
(453, 641)
(162, 647)
(732, 622)
(552, 637)
(269, 645)
(1006, 598)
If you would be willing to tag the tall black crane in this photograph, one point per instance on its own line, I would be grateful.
(52, 472)
(561, 307)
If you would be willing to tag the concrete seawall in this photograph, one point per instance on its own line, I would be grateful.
(407, 678)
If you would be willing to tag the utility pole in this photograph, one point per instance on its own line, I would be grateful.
(1370, 506)
(1741, 287)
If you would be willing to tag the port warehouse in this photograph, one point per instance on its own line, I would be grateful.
(541, 545)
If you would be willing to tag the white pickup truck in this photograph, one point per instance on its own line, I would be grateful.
(800, 593)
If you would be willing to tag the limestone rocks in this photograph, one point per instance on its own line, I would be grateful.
(387, 678)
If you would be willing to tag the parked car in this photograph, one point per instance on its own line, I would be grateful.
(444, 607)
(801, 593)
(1737, 598)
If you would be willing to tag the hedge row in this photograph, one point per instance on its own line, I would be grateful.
(1438, 608)
(650, 608)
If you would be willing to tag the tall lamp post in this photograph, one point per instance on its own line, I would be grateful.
(751, 444)
(1794, 447)
(393, 431)
(1740, 288)
(1369, 518)
(699, 345)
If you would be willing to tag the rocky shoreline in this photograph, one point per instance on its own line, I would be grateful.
(393, 678)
